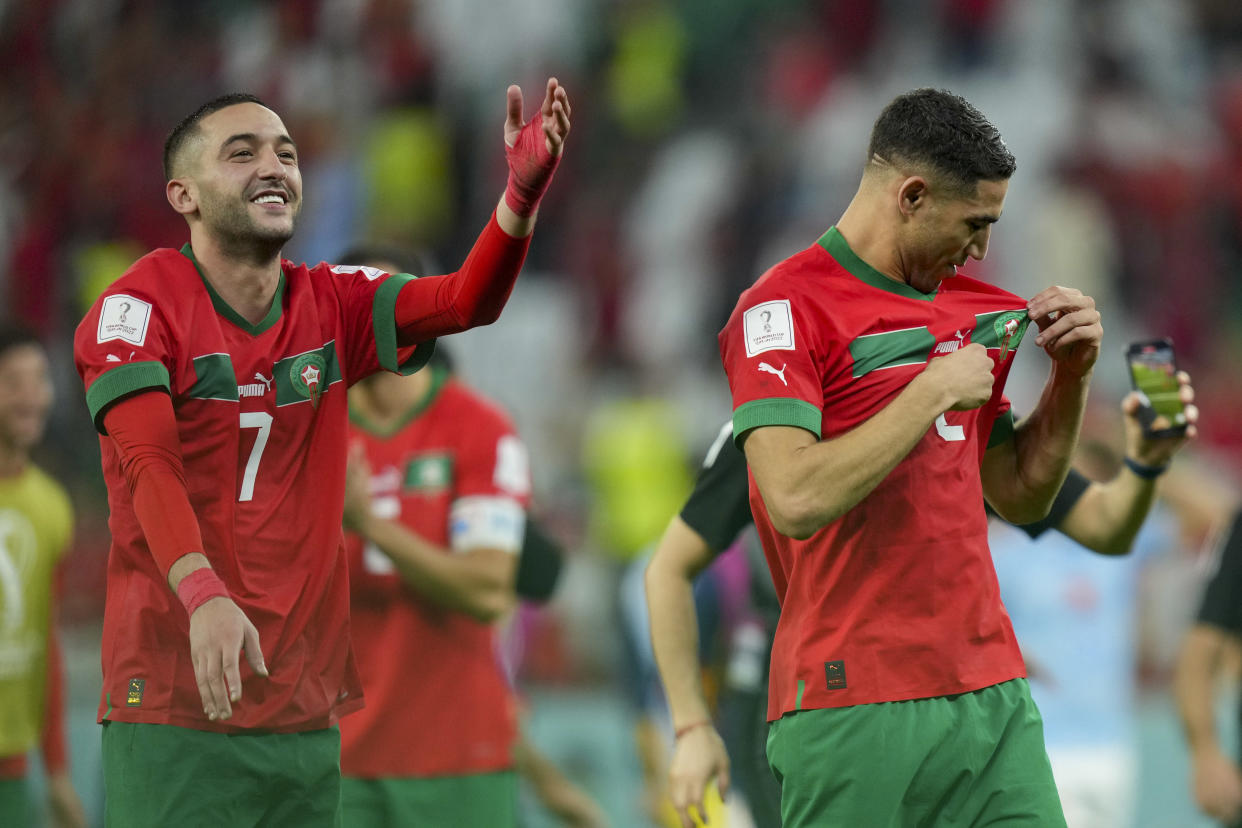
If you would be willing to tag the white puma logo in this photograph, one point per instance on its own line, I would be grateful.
(763, 366)
(255, 389)
(950, 346)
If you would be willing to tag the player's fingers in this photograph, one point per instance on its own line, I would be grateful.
(563, 97)
(513, 114)
(1186, 392)
(549, 97)
(1131, 403)
(722, 781)
(215, 680)
(1066, 322)
(1192, 414)
(250, 646)
(204, 689)
(232, 675)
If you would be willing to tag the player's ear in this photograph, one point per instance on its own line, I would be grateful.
(912, 195)
(181, 195)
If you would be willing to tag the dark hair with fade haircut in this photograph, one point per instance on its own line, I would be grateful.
(13, 335)
(945, 132)
(182, 131)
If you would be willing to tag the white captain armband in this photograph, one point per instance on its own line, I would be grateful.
(486, 522)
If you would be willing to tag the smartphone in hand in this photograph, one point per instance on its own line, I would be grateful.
(1153, 374)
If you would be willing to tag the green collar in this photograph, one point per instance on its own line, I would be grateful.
(222, 307)
(839, 249)
(439, 376)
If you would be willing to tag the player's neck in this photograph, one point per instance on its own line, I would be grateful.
(868, 234)
(246, 282)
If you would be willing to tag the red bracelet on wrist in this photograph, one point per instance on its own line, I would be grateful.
(199, 587)
(682, 731)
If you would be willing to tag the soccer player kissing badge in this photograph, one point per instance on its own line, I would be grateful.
(306, 374)
(1009, 329)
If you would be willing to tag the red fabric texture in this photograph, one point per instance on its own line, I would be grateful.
(530, 168)
(199, 587)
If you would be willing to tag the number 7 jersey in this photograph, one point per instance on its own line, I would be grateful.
(261, 414)
(897, 599)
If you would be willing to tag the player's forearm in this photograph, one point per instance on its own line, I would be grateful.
(809, 487)
(1108, 516)
(475, 584)
(473, 295)
(1044, 445)
(1193, 681)
(514, 225)
(675, 637)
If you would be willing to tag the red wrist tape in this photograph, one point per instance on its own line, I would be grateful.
(530, 169)
(199, 587)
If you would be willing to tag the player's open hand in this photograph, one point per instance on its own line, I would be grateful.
(1158, 451)
(1069, 327)
(218, 631)
(965, 376)
(698, 757)
(552, 121)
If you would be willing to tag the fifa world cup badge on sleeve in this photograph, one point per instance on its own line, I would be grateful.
(768, 326)
(124, 317)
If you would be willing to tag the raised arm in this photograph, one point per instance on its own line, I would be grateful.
(1108, 516)
(1022, 476)
(476, 293)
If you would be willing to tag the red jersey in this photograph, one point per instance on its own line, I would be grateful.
(438, 701)
(897, 599)
(261, 414)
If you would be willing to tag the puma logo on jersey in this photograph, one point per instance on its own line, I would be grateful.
(951, 345)
(255, 389)
(763, 366)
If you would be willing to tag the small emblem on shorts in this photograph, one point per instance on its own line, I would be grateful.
(133, 697)
(307, 375)
(835, 671)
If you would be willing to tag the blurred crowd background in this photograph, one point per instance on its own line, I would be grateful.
(711, 138)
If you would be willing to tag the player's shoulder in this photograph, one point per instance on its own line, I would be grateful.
(160, 272)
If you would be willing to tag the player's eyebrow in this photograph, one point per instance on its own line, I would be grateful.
(250, 137)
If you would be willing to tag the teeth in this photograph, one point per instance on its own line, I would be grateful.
(269, 199)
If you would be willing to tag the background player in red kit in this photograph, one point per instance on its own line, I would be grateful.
(866, 379)
(436, 497)
(216, 376)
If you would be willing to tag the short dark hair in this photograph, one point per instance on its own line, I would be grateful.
(189, 125)
(13, 335)
(943, 131)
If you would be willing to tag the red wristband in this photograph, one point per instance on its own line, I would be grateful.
(199, 587)
(682, 731)
(530, 169)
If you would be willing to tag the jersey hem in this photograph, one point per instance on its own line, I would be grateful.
(783, 411)
(122, 381)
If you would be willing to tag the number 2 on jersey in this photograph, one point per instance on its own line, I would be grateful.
(263, 422)
(949, 433)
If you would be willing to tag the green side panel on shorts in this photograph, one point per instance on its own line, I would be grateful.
(214, 378)
(384, 323)
(1002, 429)
(289, 390)
(120, 382)
(776, 411)
(474, 800)
(890, 349)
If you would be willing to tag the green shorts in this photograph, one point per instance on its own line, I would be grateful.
(15, 802)
(971, 759)
(477, 800)
(161, 775)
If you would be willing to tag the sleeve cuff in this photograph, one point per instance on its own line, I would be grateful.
(121, 382)
(783, 411)
(384, 322)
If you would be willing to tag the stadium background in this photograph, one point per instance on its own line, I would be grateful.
(711, 138)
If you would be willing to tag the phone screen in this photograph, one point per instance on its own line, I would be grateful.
(1153, 373)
